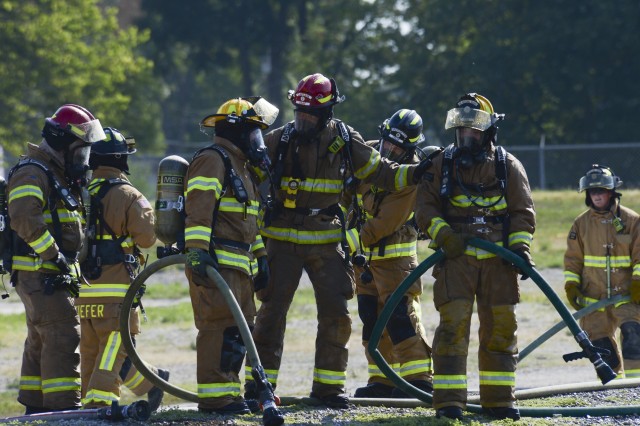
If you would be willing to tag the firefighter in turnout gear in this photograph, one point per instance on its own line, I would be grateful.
(475, 189)
(313, 158)
(389, 248)
(221, 230)
(120, 220)
(603, 260)
(45, 212)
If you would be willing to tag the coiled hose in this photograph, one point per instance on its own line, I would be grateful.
(602, 369)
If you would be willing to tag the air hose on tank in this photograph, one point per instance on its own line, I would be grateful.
(588, 350)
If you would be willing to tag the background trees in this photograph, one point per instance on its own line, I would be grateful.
(555, 67)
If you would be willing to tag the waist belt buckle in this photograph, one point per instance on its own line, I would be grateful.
(314, 212)
(129, 258)
(478, 220)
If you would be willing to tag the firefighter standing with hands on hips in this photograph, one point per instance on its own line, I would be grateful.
(221, 205)
(475, 189)
(603, 260)
(120, 220)
(45, 212)
(313, 158)
(387, 241)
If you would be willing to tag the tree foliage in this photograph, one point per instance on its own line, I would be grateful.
(72, 51)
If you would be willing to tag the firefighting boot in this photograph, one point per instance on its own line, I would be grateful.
(423, 385)
(502, 413)
(374, 390)
(338, 401)
(451, 412)
(235, 408)
(155, 395)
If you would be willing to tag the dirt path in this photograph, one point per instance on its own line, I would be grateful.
(173, 348)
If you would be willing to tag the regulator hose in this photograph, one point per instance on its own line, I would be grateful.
(271, 415)
(604, 371)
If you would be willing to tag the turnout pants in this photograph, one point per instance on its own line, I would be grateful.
(105, 365)
(49, 377)
(333, 285)
(220, 348)
(403, 343)
(494, 286)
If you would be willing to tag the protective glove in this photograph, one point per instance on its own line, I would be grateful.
(523, 253)
(634, 291)
(62, 263)
(136, 299)
(573, 294)
(452, 243)
(262, 278)
(197, 261)
(420, 170)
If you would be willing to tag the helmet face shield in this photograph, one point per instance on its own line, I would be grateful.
(469, 139)
(77, 163)
(267, 111)
(468, 117)
(392, 151)
(89, 132)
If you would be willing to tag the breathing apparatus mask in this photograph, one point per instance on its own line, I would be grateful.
(308, 122)
(76, 163)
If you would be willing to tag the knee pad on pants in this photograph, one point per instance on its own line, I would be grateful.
(630, 340)
(399, 326)
(368, 312)
(233, 350)
(611, 359)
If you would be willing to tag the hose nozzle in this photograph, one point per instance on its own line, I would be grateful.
(605, 373)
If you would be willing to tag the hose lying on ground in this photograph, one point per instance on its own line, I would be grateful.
(603, 370)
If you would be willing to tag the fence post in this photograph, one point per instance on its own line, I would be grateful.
(541, 168)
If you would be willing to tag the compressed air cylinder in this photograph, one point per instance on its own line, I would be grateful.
(4, 223)
(169, 207)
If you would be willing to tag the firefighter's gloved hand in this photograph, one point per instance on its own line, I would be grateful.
(634, 291)
(197, 261)
(523, 253)
(62, 263)
(136, 299)
(573, 294)
(420, 170)
(262, 278)
(452, 243)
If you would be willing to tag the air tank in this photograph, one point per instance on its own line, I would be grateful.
(169, 206)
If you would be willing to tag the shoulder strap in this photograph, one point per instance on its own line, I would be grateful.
(447, 172)
(96, 212)
(501, 167)
(281, 154)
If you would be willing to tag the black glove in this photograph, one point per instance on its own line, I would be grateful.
(136, 299)
(420, 170)
(62, 263)
(66, 282)
(197, 261)
(523, 253)
(262, 278)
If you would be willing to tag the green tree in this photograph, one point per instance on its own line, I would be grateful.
(72, 51)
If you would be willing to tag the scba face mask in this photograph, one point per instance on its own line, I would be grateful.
(76, 163)
(256, 150)
(471, 146)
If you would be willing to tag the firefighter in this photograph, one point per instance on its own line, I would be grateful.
(120, 221)
(387, 240)
(312, 158)
(603, 260)
(221, 231)
(44, 205)
(475, 189)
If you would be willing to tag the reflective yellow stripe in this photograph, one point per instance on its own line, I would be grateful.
(236, 260)
(445, 381)
(601, 261)
(258, 244)
(302, 237)
(199, 233)
(571, 277)
(370, 166)
(95, 395)
(64, 216)
(30, 383)
(402, 177)
(520, 237)
(272, 375)
(134, 381)
(498, 378)
(324, 186)
(374, 371)
(329, 377)
(392, 251)
(437, 223)
(231, 205)
(203, 183)
(465, 201)
(414, 367)
(104, 290)
(25, 191)
(632, 374)
(43, 243)
(353, 239)
(217, 390)
(31, 263)
(61, 384)
(110, 351)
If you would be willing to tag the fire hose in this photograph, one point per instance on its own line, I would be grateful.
(138, 410)
(603, 371)
(271, 416)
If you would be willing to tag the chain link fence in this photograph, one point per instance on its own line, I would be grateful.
(548, 166)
